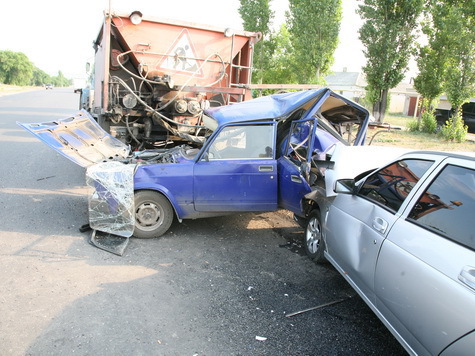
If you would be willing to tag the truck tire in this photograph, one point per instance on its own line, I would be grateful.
(314, 243)
(153, 214)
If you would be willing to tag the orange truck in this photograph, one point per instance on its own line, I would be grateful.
(152, 78)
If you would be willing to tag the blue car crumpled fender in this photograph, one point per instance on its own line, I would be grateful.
(111, 182)
(111, 197)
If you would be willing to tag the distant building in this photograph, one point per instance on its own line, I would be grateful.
(404, 98)
(349, 84)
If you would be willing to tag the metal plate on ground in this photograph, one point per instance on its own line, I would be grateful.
(109, 242)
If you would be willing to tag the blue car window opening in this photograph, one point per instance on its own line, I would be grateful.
(243, 142)
(328, 126)
(300, 139)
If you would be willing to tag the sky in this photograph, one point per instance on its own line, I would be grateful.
(58, 34)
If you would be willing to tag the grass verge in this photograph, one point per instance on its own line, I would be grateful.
(415, 140)
(6, 89)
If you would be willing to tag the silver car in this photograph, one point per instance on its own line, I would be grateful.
(403, 236)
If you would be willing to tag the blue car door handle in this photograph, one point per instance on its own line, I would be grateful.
(295, 179)
(266, 168)
(380, 225)
(467, 276)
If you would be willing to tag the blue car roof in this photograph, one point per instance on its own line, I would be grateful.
(266, 107)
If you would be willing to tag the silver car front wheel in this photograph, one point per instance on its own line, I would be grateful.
(314, 244)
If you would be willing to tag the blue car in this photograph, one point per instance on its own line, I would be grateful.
(260, 155)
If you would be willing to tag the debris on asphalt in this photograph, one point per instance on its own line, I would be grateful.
(108, 242)
(318, 307)
(84, 228)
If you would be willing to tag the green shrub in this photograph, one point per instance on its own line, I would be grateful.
(413, 125)
(428, 122)
(454, 129)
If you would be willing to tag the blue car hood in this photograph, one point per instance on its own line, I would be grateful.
(80, 139)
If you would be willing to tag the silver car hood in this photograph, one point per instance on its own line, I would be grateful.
(353, 160)
(79, 138)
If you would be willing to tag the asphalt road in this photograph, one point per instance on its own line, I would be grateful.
(220, 286)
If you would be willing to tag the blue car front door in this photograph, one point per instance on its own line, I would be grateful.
(238, 171)
(294, 165)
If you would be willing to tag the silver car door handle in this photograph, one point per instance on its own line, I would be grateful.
(266, 169)
(467, 276)
(380, 225)
(295, 179)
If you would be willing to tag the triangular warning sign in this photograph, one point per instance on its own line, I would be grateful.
(181, 56)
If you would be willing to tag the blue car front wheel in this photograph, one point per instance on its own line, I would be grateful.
(153, 214)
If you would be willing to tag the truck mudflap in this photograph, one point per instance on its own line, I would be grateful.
(80, 139)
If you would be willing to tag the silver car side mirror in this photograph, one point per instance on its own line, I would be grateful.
(345, 186)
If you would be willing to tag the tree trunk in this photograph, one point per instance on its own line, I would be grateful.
(376, 113)
(379, 107)
(384, 103)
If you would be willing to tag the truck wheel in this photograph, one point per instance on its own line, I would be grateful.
(314, 243)
(153, 214)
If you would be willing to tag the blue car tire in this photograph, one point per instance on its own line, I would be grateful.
(153, 214)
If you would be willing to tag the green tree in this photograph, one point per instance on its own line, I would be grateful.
(458, 23)
(388, 35)
(429, 82)
(431, 58)
(282, 63)
(60, 80)
(447, 62)
(15, 68)
(314, 27)
(39, 77)
(257, 17)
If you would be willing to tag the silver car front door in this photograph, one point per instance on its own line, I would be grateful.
(358, 224)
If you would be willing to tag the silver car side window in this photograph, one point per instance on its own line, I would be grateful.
(447, 205)
(390, 185)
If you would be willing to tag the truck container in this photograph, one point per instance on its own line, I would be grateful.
(154, 77)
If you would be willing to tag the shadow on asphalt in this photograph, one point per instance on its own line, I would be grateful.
(217, 284)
